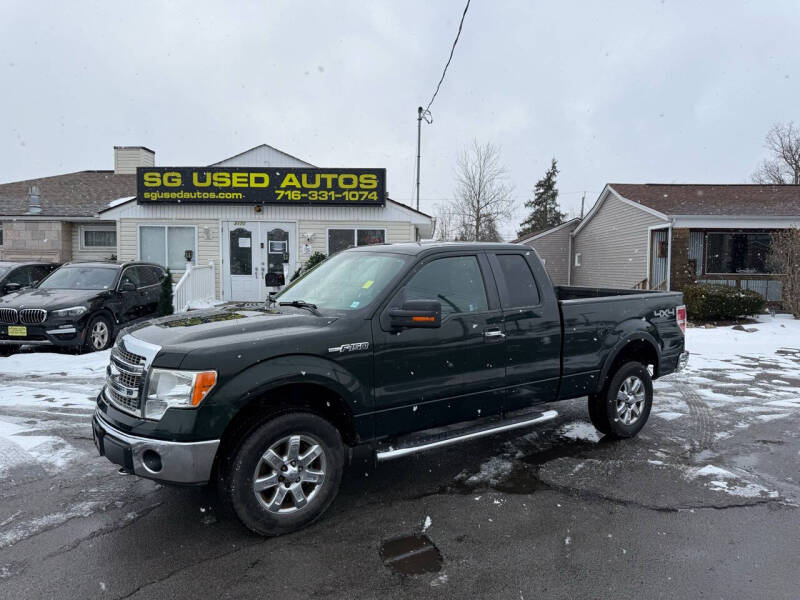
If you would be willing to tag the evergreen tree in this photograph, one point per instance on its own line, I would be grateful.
(544, 204)
(165, 306)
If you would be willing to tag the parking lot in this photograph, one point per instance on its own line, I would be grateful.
(704, 503)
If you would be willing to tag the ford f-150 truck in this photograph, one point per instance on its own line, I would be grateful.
(393, 348)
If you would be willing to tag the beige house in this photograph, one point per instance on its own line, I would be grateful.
(665, 236)
(245, 242)
(553, 247)
(54, 219)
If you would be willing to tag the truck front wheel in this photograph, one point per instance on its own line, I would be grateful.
(284, 474)
(622, 408)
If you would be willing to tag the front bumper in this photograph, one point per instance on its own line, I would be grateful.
(45, 334)
(186, 463)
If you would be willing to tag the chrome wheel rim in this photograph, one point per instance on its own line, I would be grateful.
(290, 474)
(630, 400)
(99, 335)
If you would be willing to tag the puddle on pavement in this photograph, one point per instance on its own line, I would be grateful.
(411, 555)
(523, 477)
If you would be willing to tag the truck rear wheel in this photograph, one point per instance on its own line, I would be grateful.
(623, 407)
(284, 474)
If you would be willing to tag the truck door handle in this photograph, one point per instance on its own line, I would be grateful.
(493, 333)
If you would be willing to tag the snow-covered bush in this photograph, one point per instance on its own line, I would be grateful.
(720, 302)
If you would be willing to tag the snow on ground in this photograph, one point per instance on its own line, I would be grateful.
(739, 378)
(50, 363)
(46, 400)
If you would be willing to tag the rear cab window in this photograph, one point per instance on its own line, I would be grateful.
(516, 281)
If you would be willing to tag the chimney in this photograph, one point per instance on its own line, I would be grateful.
(34, 200)
(127, 158)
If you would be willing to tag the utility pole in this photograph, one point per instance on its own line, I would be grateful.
(419, 133)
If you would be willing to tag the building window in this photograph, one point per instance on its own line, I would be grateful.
(98, 237)
(577, 259)
(342, 239)
(166, 245)
(1, 234)
(737, 252)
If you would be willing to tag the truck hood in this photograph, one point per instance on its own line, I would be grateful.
(217, 328)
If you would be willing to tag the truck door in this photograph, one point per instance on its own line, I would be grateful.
(430, 377)
(532, 327)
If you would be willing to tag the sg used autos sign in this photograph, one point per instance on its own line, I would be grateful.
(352, 187)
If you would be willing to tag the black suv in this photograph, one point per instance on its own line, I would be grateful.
(80, 305)
(15, 276)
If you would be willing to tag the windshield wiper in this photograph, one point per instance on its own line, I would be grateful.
(300, 304)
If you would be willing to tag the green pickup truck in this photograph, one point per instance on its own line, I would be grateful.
(390, 349)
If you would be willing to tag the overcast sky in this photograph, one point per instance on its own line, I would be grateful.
(638, 91)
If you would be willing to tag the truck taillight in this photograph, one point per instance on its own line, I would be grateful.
(680, 316)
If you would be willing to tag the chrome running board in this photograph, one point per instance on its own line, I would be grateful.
(437, 441)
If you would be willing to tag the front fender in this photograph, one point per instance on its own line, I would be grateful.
(257, 380)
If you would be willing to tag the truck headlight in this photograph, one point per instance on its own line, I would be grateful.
(72, 311)
(168, 388)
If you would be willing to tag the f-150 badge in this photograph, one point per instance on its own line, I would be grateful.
(349, 347)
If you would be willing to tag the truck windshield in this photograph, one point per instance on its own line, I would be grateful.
(346, 281)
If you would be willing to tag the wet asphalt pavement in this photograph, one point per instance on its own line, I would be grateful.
(703, 504)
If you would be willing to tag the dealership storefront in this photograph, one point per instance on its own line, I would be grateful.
(250, 220)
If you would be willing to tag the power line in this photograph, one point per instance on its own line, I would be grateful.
(449, 58)
(425, 114)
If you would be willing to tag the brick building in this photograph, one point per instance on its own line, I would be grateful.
(55, 218)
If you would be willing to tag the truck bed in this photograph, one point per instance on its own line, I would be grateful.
(564, 292)
(595, 320)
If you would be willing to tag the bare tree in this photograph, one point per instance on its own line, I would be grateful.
(483, 194)
(783, 167)
(444, 225)
(784, 258)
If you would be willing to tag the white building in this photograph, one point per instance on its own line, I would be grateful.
(245, 242)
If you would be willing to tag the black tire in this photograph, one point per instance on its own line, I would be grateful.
(623, 407)
(262, 512)
(597, 414)
(97, 343)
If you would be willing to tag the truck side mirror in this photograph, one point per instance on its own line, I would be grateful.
(416, 313)
(128, 286)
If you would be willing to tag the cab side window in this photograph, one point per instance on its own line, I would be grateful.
(455, 281)
(520, 286)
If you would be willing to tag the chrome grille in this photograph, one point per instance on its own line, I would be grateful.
(8, 315)
(32, 316)
(124, 379)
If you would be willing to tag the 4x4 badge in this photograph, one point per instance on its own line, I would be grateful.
(350, 347)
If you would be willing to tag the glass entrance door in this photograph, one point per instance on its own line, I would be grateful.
(242, 264)
(251, 250)
(280, 249)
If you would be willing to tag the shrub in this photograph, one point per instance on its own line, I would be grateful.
(165, 306)
(784, 258)
(312, 262)
(720, 302)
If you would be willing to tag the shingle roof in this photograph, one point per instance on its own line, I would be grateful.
(714, 199)
(80, 194)
(573, 221)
